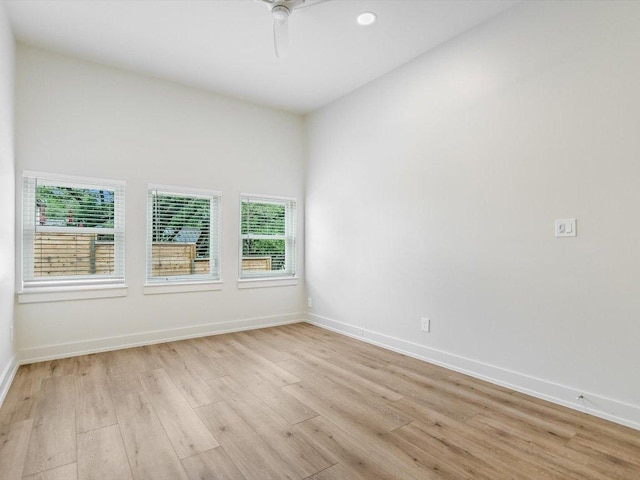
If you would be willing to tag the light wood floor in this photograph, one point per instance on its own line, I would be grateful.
(293, 402)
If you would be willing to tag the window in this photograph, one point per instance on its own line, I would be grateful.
(183, 235)
(73, 231)
(268, 237)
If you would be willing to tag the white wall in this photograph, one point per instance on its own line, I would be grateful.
(79, 118)
(433, 192)
(7, 224)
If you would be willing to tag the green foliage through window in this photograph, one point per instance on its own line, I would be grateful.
(263, 219)
(182, 219)
(264, 230)
(73, 231)
(74, 207)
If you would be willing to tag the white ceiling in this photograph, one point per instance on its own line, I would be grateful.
(227, 45)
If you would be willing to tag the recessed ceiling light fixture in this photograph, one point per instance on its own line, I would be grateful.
(366, 18)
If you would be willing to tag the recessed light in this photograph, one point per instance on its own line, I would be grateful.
(366, 18)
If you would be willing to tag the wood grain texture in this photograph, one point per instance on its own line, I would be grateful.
(254, 457)
(292, 402)
(23, 395)
(192, 387)
(185, 430)
(101, 455)
(335, 472)
(149, 451)
(294, 449)
(66, 472)
(124, 384)
(286, 405)
(94, 407)
(353, 453)
(212, 465)
(345, 405)
(14, 441)
(200, 358)
(53, 439)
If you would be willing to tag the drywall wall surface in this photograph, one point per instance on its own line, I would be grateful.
(84, 119)
(432, 192)
(7, 205)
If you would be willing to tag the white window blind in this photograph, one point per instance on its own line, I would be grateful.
(268, 237)
(183, 235)
(73, 231)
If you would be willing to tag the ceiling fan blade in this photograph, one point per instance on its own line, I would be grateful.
(281, 37)
(311, 3)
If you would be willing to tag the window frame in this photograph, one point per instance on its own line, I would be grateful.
(36, 289)
(288, 277)
(191, 282)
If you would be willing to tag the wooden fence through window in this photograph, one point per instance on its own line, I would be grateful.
(62, 254)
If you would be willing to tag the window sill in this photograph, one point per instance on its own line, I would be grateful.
(181, 287)
(61, 294)
(267, 282)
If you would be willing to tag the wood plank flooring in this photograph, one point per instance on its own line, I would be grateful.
(293, 402)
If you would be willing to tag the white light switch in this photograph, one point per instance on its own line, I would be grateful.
(566, 227)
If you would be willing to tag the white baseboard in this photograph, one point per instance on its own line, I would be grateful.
(597, 405)
(7, 376)
(72, 349)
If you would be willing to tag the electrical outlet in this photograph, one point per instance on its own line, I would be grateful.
(425, 324)
(566, 227)
(309, 302)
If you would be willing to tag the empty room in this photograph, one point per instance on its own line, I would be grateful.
(319, 240)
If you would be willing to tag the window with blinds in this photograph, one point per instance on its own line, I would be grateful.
(73, 231)
(183, 235)
(268, 236)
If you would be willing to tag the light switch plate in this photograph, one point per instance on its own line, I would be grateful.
(566, 227)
